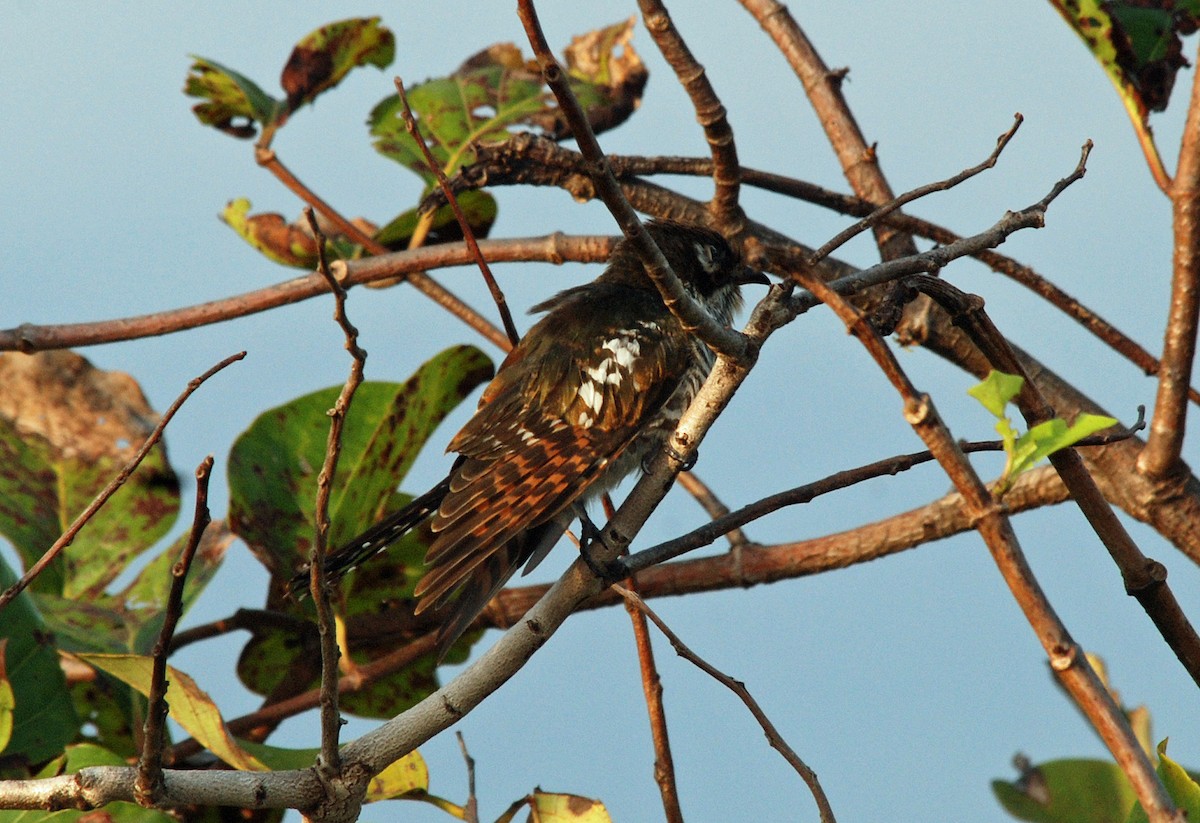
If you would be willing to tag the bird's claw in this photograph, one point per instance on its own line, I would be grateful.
(609, 571)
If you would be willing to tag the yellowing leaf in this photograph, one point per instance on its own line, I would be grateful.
(407, 774)
(324, 57)
(566, 808)
(187, 703)
(7, 700)
(997, 391)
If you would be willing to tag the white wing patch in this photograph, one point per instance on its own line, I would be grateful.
(621, 352)
(625, 350)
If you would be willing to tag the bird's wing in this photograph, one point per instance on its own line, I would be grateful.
(566, 403)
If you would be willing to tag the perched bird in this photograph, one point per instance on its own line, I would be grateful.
(585, 397)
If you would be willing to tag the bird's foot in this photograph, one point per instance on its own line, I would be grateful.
(590, 539)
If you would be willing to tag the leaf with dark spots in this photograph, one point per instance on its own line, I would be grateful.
(291, 244)
(1138, 43)
(497, 90)
(233, 102)
(323, 58)
(273, 465)
(66, 429)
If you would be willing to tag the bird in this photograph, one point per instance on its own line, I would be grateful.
(582, 401)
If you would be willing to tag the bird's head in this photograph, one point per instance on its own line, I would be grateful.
(706, 264)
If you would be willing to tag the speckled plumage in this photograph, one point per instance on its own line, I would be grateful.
(576, 406)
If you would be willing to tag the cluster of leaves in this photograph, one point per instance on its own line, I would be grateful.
(67, 429)
(480, 103)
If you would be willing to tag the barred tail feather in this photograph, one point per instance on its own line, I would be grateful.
(375, 539)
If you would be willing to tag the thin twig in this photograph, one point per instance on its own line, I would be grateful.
(1161, 458)
(664, 762)
(554, 248)
(527, 159)
(471, 807)
(726, 214)
(1066, 658)
(410, 123)
(116, 483)
(331, 720)
(242, 619)
(148, 786)
(739, 688)
(824, 90)
(694, 318)
(872, 219)
(711, 504)
(1144, 578)
(268, 159)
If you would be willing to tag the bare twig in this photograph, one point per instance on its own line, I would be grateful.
(1066, 658)
(242, 619)
(148, 787)
(268, 159)
(116, 483)
(694, 318)
(823, 87)
(554, 248)
(471, 807)
(1144, 578)
(1161, 458)
(711, 115)
(711, 504)
(739, 688)
(664, 763)
(410, 123)
(331, 721)
(530, 160)
(883, 211)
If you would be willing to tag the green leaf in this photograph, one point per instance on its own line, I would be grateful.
(479, 207)
(1068, 791)
(187, 703)
(323, 58)
(66, 430)
(497, 90)
(1182, 787)
(42, 718)
(1137, 43)
(997, 391)
(1055, 435)
(273, 465)
(234, 102)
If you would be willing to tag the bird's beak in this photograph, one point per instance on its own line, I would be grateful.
(747, 275)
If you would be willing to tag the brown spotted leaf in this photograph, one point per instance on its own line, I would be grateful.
(1138, 42)
(66, 429)
(291, 244)
(497, 90)
(323, 58)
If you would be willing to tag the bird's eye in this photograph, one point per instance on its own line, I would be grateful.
(706, 256)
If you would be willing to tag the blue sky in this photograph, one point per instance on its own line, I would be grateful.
(907, 683)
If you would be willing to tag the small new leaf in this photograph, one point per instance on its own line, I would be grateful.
(1025, 450)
